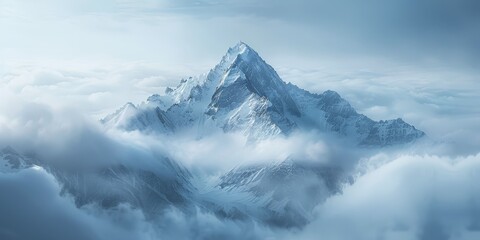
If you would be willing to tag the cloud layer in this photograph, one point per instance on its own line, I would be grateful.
(32, 208)
(409, 197)
(65, 64)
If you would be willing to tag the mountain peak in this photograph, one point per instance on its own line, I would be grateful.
(244, 93)
(242, 73)
(240, 48)
(241, 52)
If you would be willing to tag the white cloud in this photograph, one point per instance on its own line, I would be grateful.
(64, 63)
(88, 88)
(32, 208)
(408, 197)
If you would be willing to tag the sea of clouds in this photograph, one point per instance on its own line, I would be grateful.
(424, 191)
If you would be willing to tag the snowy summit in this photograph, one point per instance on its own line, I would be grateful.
(243, 93)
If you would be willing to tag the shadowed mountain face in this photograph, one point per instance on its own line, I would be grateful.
(243, 93)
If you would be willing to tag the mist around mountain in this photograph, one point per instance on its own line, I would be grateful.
(236, 153)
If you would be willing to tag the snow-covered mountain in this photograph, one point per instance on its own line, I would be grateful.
(240, 94)
(243, 93)
(283, 193)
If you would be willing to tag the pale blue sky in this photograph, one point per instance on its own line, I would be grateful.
(438, 32)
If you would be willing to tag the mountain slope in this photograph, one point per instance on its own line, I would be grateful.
(152, 190)
(285, 193)
(243, 93)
